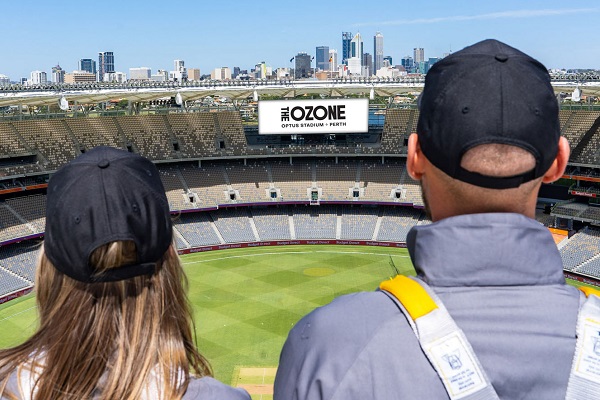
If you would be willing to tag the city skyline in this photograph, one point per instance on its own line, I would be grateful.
(146, 34)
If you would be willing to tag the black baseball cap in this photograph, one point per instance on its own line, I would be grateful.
(106, 195)
(488, 93)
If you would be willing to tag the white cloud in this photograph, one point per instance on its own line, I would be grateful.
(496, 15)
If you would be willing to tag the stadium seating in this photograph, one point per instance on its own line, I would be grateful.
(202, 159)
(272, 223)
(581, 247)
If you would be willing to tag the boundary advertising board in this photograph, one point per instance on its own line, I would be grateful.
(289, 117)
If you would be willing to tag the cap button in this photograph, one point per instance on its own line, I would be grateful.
(103, 163)
(501, 57)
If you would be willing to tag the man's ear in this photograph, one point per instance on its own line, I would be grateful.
(415, 160)
(557, 169)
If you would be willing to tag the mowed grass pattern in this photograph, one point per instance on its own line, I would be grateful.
(246, 300)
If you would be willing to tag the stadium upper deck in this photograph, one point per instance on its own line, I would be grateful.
(14, 95)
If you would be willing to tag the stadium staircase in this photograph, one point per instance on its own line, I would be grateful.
(292, 227)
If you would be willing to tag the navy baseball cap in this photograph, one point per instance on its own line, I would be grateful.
(488, 93)
(106, 195)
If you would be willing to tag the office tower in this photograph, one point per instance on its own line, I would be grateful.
(236, 72)
(368, 64)
(87, 65)
(408, 63)
(193, 74)
(58, 74)
(302, 65)
(333, 60)
(106, 64)
(4, 80)
(180, 72)
(419, 55)
(346, 39)
(356, 47)
(220, 74)
(140, 74)
(389, 60)
(322, 58)
(377, 52)
(38, 78)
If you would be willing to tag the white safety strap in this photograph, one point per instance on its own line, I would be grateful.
(449, 351)
(584, 381)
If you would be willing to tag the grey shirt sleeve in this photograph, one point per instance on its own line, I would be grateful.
(208, 388)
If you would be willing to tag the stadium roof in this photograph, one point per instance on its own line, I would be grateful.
(145, 91)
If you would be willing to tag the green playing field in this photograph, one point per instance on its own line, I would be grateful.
(246, 300)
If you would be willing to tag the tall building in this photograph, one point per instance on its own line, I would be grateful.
(193, 74)
(38, 78)
(389, 60)
(333, 60)
(220, 74)
(140, 74)
(408, 63)
(377, 52)
(419, 54)
(356, 47)
(368, 64)
(302, 65)
(87, 65)
(236, 72)
(180, 72)
(4, 80)
(106, 64)
(346, 39)
(322, 58)
(58, 74)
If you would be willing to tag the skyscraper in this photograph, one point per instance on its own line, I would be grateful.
(419, 55)
(302, 65)
(377, 52)
(58, 74)
(408, 63)
(322, 57)
(368, 64)
(346, 39)
(356, 47)
(37, 78)
(87, 65)
(389, 60)
(333, 60)
(106, 64)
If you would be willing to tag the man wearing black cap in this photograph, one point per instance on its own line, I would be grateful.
(490, 315)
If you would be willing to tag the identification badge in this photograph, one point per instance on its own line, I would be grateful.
(459, 372)
(587, 364)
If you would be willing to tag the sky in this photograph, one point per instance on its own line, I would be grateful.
(37, 35)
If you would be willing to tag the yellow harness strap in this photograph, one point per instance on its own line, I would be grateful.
(589, 290)
(412, 295)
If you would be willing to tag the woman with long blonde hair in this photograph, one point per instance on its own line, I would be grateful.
(114, 319)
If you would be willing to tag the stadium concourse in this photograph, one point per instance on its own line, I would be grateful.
(229, 186)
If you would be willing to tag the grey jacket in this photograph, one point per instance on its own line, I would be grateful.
(500, 277)
(205, 388)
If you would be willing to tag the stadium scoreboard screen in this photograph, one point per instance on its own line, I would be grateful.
(289, 117)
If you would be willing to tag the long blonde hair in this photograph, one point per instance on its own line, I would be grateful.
(110, 340)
